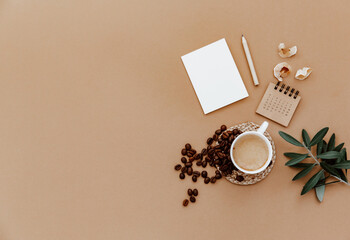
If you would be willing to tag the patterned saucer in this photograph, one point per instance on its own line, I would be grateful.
(241, 178)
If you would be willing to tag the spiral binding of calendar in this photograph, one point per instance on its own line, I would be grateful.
(291, 92)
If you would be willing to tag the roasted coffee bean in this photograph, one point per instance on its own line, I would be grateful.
(178, 167)
(188, 164)
(204, 164)
(209, 147)
(225, 135)
(204, 174)
(224, 167)
(192, 199)
(182, 175)
(194, 178)
(188, 146)
(189, 171)
(211, 152)
(209, 141)
(195, 192)
(212, 179)
(239, 178)
(218, 176)
(217, 162)
(184, 169)
(185, 202)
(204, 151)
(189, 192)
(207, 159)
(184, 152)
(218, 132)
(191, 159)
(235, 131)
(231, 138)
(193, 151)
(183, 160)
(229, 132)
(217, 171)
(206, 180)
(223, 127)
(199, 163)
(215, 137)
(189, 154)
(219, 140)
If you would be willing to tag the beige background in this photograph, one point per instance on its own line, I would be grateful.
(96, 105)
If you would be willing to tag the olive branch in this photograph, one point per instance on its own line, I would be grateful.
(331, 161)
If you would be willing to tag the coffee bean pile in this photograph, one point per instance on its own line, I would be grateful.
(215, 156)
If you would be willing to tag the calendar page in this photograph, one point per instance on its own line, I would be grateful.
(279, 103)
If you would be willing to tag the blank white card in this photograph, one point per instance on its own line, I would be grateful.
(214, 76)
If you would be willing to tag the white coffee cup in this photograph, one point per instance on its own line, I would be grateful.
(259, 133)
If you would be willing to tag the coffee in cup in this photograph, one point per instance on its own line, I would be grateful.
(251, 152)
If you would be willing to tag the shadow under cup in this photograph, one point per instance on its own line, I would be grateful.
(266, 141)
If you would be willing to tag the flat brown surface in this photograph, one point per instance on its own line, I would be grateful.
(96, 106)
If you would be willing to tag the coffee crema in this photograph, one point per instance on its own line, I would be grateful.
(250, 152)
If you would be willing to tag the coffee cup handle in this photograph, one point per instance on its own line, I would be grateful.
(263, 127)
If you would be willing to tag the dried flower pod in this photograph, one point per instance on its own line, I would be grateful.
(303, 73)
(282, 70)
(286, 52)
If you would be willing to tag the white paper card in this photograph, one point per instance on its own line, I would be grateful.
(214, 76)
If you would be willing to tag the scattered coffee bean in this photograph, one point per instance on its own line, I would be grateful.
(199, 163)
(217, 171)
(191, 159)
(182, 176)
(218, 132)
(189, 192)
(218, 176)
(197, 156)
(185, 202)
(204, 174)
(189, 154)
(212, 179)
(184, 169)
(235, 131)
(239, 178)
(204, 151)
(188, 146)
(204, 164)
(183, 160)
(206, 180)
(189, 171)
(178, 167)
(194, 178)
(192, 199)
(223, 127)
(215, 137)
(196, 173)
(209, 141)
(184, 151)
(195, 192)
(188, 164)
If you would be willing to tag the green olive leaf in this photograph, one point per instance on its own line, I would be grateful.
(329, 155)
(290, 139)
(331, 143)
(303, 172)
(319, 136)
(296, 160)
(306, 138)
(339, 147)
(312, 182)
(320, 189)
